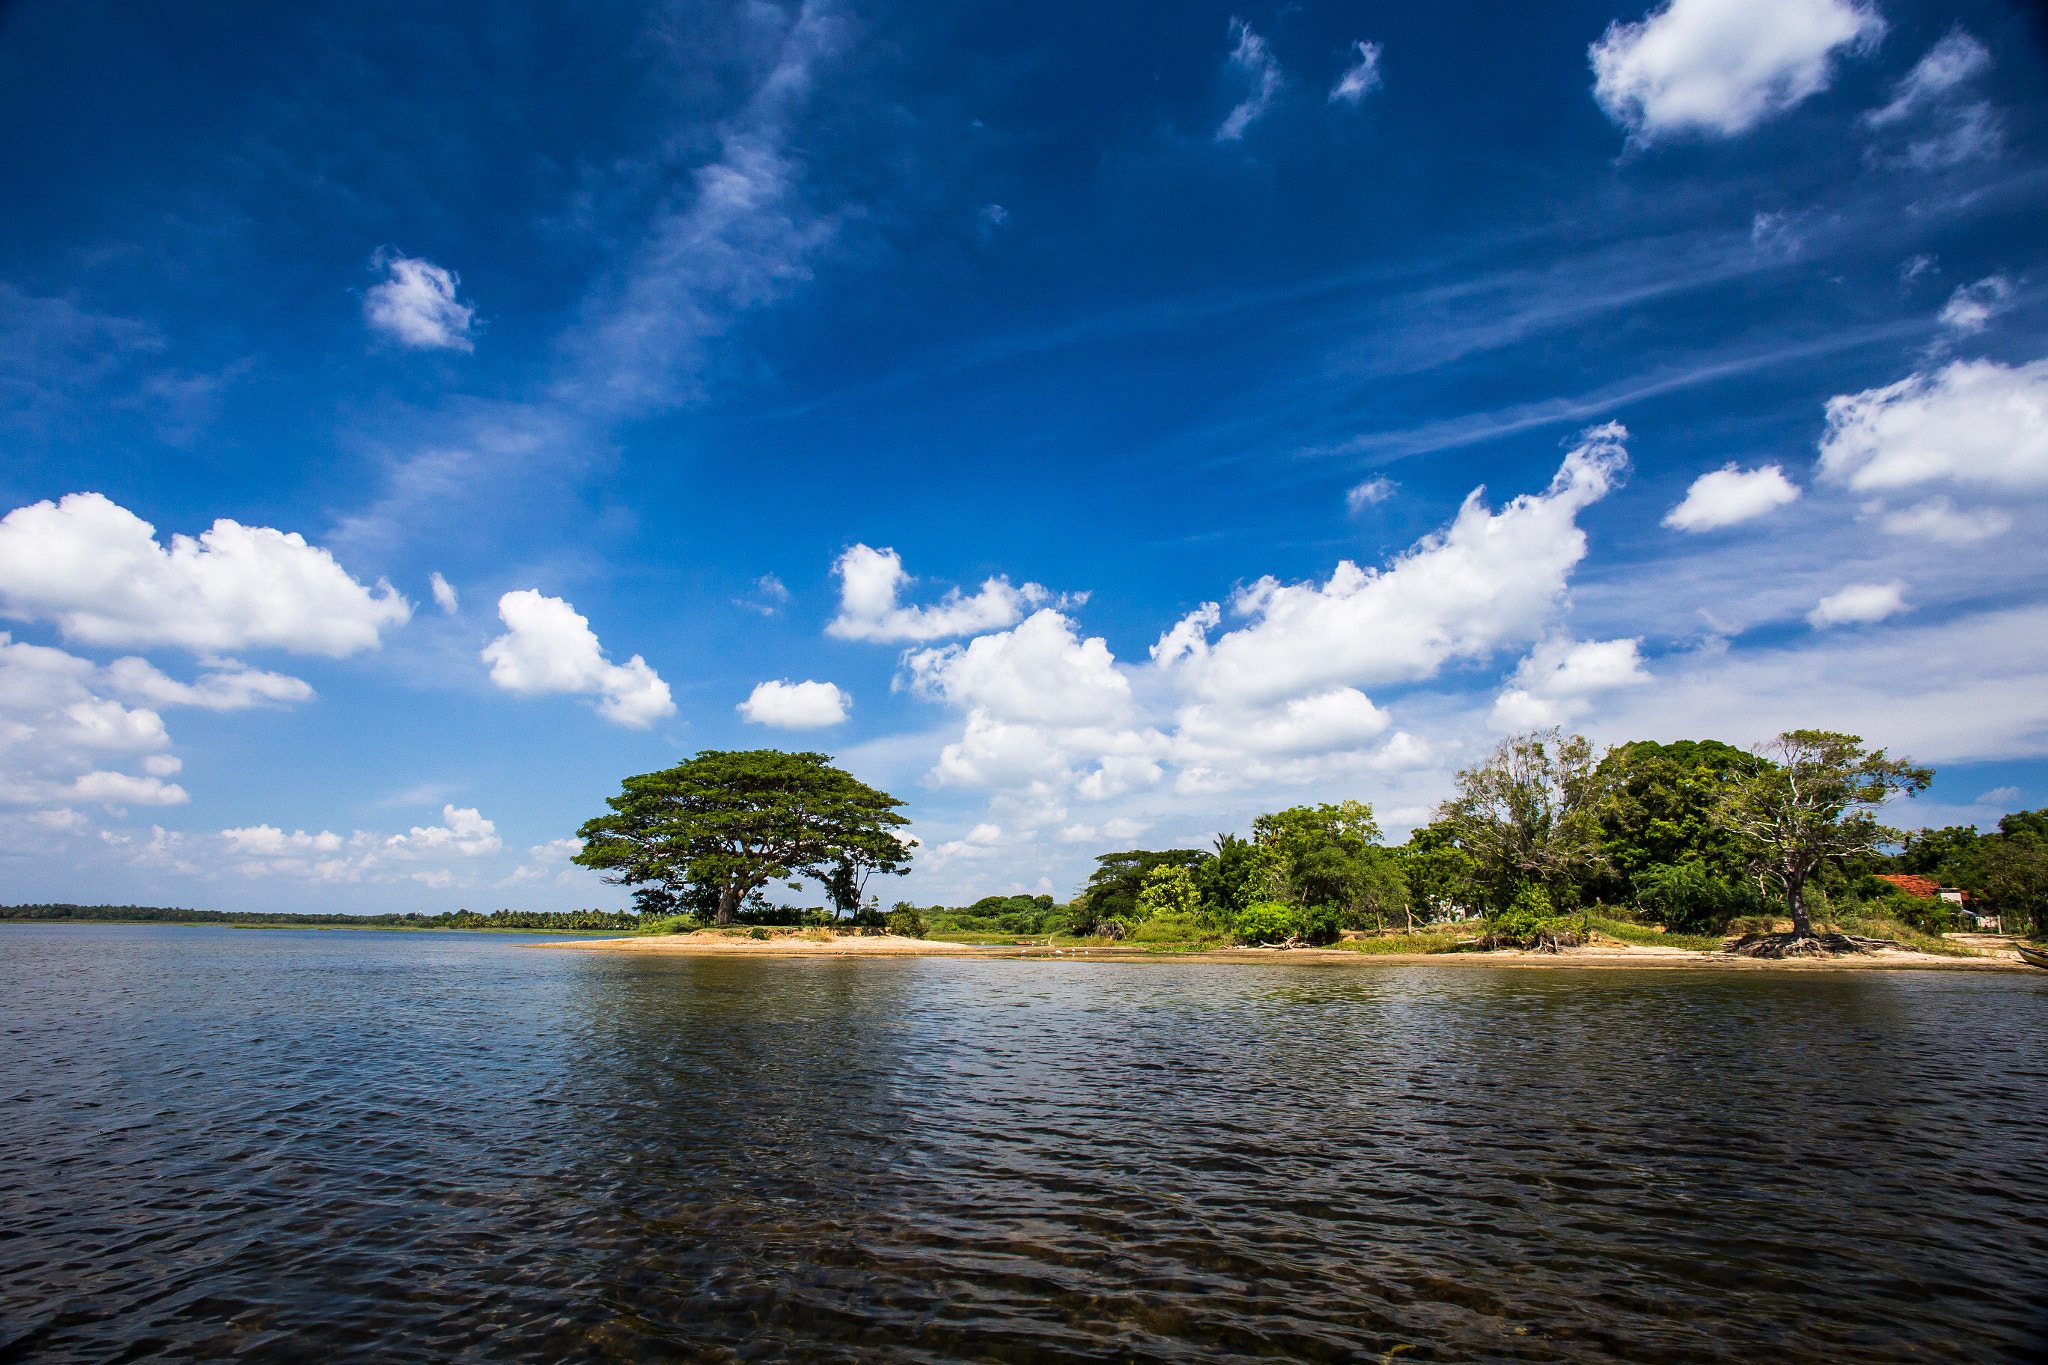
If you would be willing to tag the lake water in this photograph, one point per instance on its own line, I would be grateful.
(291, 1145)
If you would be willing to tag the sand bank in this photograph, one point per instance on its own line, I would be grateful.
(815, 943)
(819, 944)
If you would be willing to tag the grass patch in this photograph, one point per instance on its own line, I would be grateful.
(1905, 935)
(1643, 934)
(1401, 943)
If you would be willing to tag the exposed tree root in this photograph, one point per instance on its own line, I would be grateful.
(1542, 941)
(1805, 945)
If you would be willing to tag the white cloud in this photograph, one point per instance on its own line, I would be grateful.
(1361, 78)
(445, 595)
(1999, 796)
(740, 234)
(1486, 580)
(770, 596)
(550, 649)
(1972, 306)
(1557, 682)
(463, 830)
(869, 581)
(121, 789)
(416, 306)
(1722, 66)
(1945, 691)
(1973, 422)
(1051, 717)
(1368, 494)
(1256, 61)
(1729, 495)
(430, 855)
(1946, 126)
(795, 706)
(226, 685)
(1937, 520)
(96, 570)
(59, 731)
(1950, 62)
(1861, 602)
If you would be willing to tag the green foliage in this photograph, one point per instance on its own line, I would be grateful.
(1233, 878)
(1812, 801)
(2008, 872)
(1112, 890)
(1265, 922)
(1168, 890)
(1530, 913)
(1441, 877)
(1687, 897)
(1656, 808)
(907, 920)
(1936, 852)
(1642, 934)
(730, 822)
(1526, 815)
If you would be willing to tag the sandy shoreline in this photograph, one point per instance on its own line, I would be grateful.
(705, 943)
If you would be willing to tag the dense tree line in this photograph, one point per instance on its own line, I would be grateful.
(452, 919)
(1696, 836)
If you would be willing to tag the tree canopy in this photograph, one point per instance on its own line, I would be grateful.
(725, 823)
(1812, 801)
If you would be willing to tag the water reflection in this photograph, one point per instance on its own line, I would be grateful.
(425, 1147)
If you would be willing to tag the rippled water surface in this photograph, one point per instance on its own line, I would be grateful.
(286, 1145)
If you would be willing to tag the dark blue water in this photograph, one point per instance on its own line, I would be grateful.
(283, 1145)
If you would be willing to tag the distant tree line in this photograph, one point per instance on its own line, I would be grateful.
(452, 919)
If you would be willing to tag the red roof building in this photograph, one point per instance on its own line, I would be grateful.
(1912, 885)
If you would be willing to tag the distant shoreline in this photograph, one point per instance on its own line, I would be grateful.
(346, 928)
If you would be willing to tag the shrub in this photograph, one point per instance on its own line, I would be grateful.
(906, 920)
(1265, 922)
(1690, 899)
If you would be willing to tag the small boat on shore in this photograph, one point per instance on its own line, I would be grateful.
(2032, 956)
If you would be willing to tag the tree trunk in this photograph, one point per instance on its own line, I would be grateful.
(1795, 896)
(728, 901)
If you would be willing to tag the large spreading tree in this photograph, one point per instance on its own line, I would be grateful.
(1812, 801)
(712, 830)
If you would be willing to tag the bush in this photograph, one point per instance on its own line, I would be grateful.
(906, 920)
(1265, 922)
(1690, 899)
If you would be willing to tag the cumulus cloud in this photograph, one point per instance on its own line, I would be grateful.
(1252, 57)
(1971, 308)
(431, 855)
(1486, 580)
(870, 581)
(1557, 683)
(1361, 78)
(1729, 495)
(1943, 125)
(1369, 494)
(1938, 520)
(1973, 422)
(60, 729)
(1860, 603)
(1722, 66)
(795, 706)
(445, 595)
(96, 570)
(1051, 716)
(548, 648)
(463, 830)
(416, 307)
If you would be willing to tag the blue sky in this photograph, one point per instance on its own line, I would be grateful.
(1094, 426)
